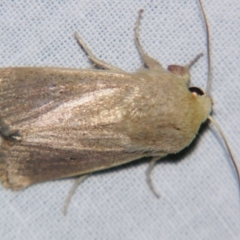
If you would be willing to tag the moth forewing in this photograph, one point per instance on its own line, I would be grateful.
(57, 123)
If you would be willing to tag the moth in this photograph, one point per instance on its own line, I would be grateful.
(59, 123)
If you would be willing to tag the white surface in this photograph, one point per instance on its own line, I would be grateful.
(199, 194)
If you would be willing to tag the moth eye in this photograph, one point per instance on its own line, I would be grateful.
(196, 90)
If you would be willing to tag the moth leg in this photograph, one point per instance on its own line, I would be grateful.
(97, 62)
(147, 60)
(72, 191)
(148, 175)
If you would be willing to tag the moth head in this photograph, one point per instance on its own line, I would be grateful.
(204, 98)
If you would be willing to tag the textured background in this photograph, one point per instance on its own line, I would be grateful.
(199, 193)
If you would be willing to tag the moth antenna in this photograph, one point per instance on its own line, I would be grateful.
(72, 191)
(234, 162)
(209, 81)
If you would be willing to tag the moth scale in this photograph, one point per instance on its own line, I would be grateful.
(58, 123)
